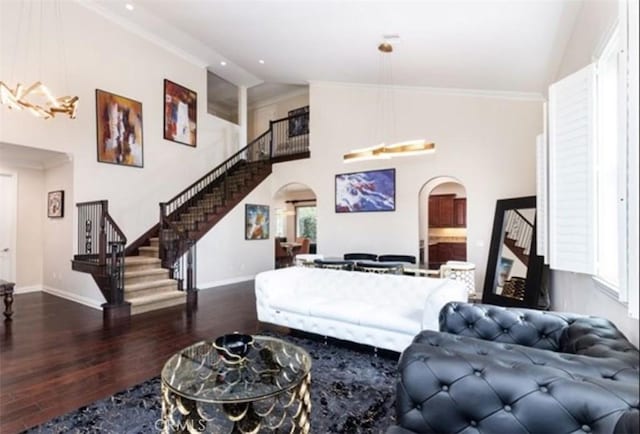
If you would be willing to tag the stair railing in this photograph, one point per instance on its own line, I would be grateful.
(286, 136)
(102, 242)
(290, 135)
(519, 229)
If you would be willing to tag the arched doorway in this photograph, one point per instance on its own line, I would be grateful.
(443, 222)
(295, 222)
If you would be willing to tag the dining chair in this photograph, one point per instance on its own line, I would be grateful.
(397, 258)
(305, 245)
(283, 259)
(360, 256)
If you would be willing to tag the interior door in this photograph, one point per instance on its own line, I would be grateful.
(8, 190)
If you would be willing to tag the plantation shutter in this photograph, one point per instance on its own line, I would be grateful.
(571, 172)
(541, 195)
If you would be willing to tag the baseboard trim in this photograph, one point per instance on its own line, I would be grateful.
(223, 282)
(27, 289)
(73, 297)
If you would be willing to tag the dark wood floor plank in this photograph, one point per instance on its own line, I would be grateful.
(57, 355)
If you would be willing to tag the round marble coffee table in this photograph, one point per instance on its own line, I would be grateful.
(268, 391)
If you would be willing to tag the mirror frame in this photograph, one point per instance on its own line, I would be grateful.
(534, 267)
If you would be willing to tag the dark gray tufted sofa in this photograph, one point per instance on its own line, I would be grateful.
(503, 370)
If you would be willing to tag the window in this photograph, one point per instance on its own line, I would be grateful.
(608, 170)
(306, 222)
(593, 165)
(280, 222)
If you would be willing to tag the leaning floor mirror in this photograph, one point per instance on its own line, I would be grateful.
(514, 270)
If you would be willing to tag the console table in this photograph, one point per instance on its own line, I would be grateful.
(267, 391)
(6, 291)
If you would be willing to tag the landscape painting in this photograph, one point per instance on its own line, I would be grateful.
(374, 190)
(119, 129)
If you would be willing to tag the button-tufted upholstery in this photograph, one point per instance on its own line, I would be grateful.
(381, 310)
(502, 370)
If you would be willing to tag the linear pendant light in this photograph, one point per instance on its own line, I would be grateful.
(384, 151)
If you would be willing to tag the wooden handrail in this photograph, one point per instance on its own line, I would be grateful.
(211, 172)
(104, 203)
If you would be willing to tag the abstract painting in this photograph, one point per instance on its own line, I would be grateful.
(374, 190)
(299, 121)
(180, 114)
(119, 129)
(256, 220)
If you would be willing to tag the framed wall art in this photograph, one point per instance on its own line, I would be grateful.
(370, 191)
(298, 122)
(119, 129)
(180, 114)
(55, 204)
(256, 220)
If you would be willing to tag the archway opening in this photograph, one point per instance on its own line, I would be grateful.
(443, 222)
(295, 222)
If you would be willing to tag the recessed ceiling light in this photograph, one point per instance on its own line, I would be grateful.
(129, 6)
(223, 63)
(261, 62)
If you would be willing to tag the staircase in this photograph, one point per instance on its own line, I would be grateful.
(148, 286)
(518, 235)
(157, 270)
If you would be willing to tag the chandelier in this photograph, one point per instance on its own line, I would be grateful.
(19, 98)
(386, 151)
(37, 98)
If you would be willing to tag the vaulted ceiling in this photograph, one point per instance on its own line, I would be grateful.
(474, 44)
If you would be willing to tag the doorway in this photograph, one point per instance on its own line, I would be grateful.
(8, 201)
(443, 222)
(296, 225)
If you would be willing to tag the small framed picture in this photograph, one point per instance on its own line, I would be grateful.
(55, 204)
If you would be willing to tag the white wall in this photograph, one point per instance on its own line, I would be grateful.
(31, 212)
(575, 292)
(108, 57)
(228, 257)
(487, 143)
(279, 107)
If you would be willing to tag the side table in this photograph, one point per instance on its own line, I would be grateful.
(6, 290)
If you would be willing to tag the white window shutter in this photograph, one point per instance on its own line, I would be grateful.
(571, 174)
(632, 69)
(541, 197)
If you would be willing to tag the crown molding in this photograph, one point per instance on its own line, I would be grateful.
(500, 94)
(146, 26)
(138, 30)
(279, 98)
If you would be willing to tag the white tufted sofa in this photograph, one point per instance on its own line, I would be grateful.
(381, 310)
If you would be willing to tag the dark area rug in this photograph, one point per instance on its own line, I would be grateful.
(352, 391)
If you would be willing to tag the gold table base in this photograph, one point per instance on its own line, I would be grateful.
(284, 412)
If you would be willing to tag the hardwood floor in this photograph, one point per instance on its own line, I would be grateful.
(56, 355)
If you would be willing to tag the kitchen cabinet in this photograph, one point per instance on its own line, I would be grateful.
(460, 213)
(440, 253)
(441, 210)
